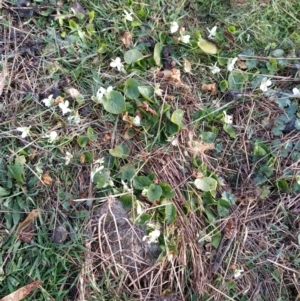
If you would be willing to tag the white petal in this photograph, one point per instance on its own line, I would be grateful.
(48, 102)
(212, 32)
(265, 83)
(52, 136)
(296, 92)
(174, 27)
(231, 63)
(137, 120)
(214, 69)
(109, 89)
(153, 236)
(185, 39)
(128, 15)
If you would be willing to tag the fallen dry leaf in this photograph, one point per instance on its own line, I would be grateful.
(78, 9)
(22, 292)
(198, 148)
(144, 105)
(128, 133)
(82, 159)
(212, 88)
(182, 31)
(197, 174)
(26, 233)
(241, 65)
(46, 178)
(173, 76)
(107, 137)
(229, 228)
(30, 217)
(187, 66)
(3, 75)
(74, 93)
(59, 99)
(126, 118)
(126, 38)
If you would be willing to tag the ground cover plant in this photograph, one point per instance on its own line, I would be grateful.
(150, 152)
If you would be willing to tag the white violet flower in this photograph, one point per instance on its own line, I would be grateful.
(101, 93)
(296, 91)
(174, 27)
(152, 236)
(98, 166)
(53, 136)
(64, 106)
(68, 158)
(145, 192)
(24, 130)
(231, 63)
(184, 39)
(126, 187)
(157, 90)
(238, 273)
(228, 118)
(49, 101)
(139, 209)
(116, 63)
(75, 118)
(128, 16)
(214, 69)
(212, 32)
(265, 83)
(137, 120)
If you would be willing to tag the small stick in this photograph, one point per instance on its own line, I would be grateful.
(218, 258)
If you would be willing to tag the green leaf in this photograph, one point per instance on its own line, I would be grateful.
(172, 128)
(114, 102)
(132, 56)
(16, 170)
(170, 213)
(297, 124)
(210, 215)
(127, 201)
(206, 184)
(120, 151)
(223, 85)
(91, 15)
(157, 53)
(277, 53)
(82, 141)
(101, 178)
(251, 63)
(88, 156)
(229, 197)
(167, 190)
(128, 172)
(132, 88)
(147, 92)
(282, 186)
(207, 47)
(229, 129)
(144, 218)
(177, 117)
(4, 192)
(141, 182)
(223, 211)
(283, 102)
(154, 192)
(73, 25)
(231, 29)
(237, 79)
(91, 134)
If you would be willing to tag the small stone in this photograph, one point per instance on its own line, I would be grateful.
(60, 234)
